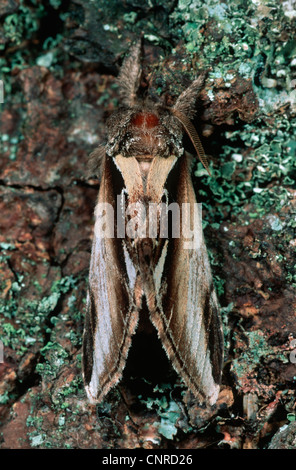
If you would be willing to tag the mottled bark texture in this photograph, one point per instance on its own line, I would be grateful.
(58, 63)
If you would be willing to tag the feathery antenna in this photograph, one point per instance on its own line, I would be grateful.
(193, 135)
(130, 75)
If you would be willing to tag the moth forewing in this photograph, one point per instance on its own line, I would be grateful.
(188, 310)
(111, 317)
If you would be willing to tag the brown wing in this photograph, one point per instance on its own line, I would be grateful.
(111, 316)
(188, 317)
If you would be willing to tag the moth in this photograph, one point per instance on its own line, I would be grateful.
(138, 260)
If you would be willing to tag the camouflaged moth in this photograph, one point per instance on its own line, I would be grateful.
(144, 166)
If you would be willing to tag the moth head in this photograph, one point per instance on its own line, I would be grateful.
(141, 125)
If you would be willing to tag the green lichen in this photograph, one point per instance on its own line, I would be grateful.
(24, 23)
(169, 419)
(37, 439)
(6, 397)
(291, 417)
(256, 160)
(22, 320)
(56, 357)
(20, 31)
(168, 410)
(257, 353)
(10, 144)
(271, 160)
(169, 413)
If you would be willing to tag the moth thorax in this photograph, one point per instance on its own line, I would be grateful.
(146, 120)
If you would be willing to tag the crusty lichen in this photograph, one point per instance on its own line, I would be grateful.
(249, 43)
